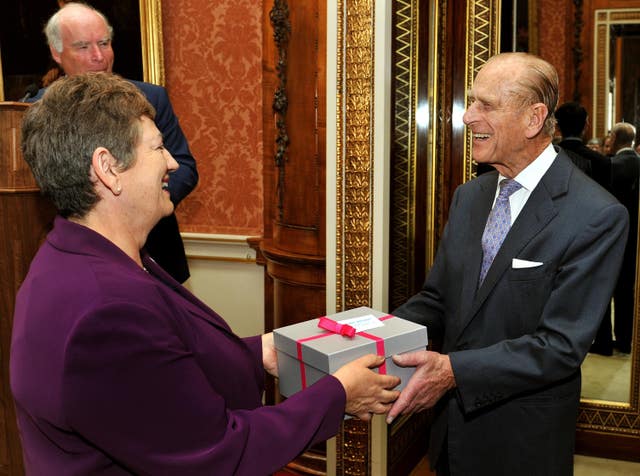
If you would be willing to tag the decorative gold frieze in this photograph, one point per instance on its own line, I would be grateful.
(483, 27)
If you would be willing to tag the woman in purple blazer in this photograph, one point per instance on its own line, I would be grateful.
(115, 367)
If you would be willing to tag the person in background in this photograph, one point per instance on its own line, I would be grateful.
(572, 121)
(606, 146)
(625, 169)
(523, 274)
(595, 143)
(115, 367)
(79, 39)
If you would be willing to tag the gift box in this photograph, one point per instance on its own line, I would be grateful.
(307, 352)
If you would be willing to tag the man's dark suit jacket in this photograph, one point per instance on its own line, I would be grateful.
(625, 172)
(164, 242)
(600, 165)
(517, 342)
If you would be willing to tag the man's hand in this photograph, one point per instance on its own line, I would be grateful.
(431, 380)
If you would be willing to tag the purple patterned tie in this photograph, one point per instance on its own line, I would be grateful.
(497, 226)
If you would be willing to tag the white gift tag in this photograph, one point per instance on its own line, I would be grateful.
(363, 323)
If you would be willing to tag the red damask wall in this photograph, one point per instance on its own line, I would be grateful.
(555, 37)
(213, 70)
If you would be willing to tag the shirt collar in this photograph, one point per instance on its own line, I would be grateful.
(533, 173)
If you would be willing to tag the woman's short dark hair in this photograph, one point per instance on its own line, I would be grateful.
(76, 115)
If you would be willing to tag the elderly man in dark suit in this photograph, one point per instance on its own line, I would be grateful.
(79, 38)
(515, 326)
(625, 168)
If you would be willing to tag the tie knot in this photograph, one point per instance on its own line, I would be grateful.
(507, 187)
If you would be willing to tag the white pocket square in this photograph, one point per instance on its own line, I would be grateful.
(523, 263)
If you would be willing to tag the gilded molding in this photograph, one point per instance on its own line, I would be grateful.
(354, 192)
(441, 111)
(403, 199)
(151, 40)
(355, 146)
(601, 60)
(600, 82)
(483, 36)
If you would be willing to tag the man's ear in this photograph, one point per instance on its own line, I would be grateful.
(55, 55)
(105, 170)
(537, 115)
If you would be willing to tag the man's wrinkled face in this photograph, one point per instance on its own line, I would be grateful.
(497, 121)
(86, 44)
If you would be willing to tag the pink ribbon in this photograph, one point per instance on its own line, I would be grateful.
(337, 328)
(382, 370)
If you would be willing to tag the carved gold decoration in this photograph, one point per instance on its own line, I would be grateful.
(601, 86)
(483, 35)
(354, 146)
(441, 113)
(403, 189)
(604, 20)
(354, 191)
(151, 38)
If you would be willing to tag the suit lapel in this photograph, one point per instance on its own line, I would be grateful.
(477, 219)
(203, 310)
(537, 213)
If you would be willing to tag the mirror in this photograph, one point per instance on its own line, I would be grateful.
(137, 42)
(616, 38)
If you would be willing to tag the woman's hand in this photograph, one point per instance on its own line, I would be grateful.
(367, 391)
(269, 355)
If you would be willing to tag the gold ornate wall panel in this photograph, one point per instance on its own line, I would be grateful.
(403, 163)
(483, 36)
(354, 192)
(355, 187)
(604, 20)
(151, 38)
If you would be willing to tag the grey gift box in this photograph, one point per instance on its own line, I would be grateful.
(324, 352)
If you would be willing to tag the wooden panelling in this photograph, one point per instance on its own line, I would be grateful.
(25, 218)
(294, 99)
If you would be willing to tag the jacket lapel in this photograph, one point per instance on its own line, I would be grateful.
(535, 216)
(477, 219)
(203, 310)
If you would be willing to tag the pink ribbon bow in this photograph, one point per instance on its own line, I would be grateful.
(382, 370)
(337, 328)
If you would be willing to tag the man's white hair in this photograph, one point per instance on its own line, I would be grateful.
(52, 28)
